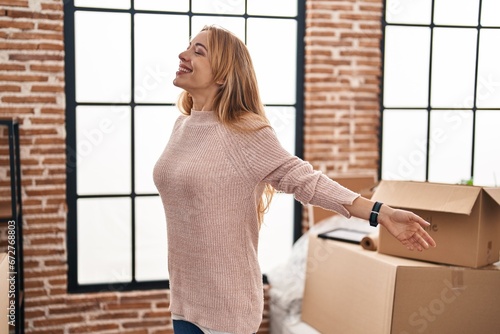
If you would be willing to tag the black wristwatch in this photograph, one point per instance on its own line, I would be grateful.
(374, 214)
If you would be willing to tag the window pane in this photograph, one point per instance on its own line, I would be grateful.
(453, 68)
(488, 80)
(456, 12)
(219, 6)
(490, 13)
(102, 57)
(272, 8)
(103, 150)
(234, 24)
(151, 240)
(153, 126)
(274, 58)
(404, 145)
(406, 66)
(157, 56)
(276, 233)
(104, 240)
(450, 146)
(283, 122)
(171, 6)
(409, 11)
(118, 4)
(487, 148)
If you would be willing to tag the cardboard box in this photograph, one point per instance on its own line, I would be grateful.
(465, 221)
(352, 290)
(362, 183)
(4, 294)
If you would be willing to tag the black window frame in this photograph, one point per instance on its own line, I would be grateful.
(71, 155)
(429, 108)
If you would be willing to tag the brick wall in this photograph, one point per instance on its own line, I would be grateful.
(341, 96)
(342, 85)
(343, 69)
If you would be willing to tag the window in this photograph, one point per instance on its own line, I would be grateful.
(441, 91)
(121, 58)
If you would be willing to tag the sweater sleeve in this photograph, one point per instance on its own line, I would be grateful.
(263, 157)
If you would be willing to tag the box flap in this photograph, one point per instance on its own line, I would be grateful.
(427, 196)
(494, 193)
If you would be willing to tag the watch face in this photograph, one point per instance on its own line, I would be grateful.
(373, 219)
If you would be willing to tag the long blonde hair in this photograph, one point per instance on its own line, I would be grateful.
(238, 95)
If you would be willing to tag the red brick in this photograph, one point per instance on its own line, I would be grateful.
(54, 321)
(127, 306)
(47, 68)
(33, 284)
(46, 241)
(58, 281)
(164, 314)
(114, 315)
(50, 26)
(14, 3)
(145, 323)
(18, 46)
(49, 141)
(163, 331)
(48, 150)
(34, 15)
(10, 88)
(16, 110)
(34, 57)
(37, 36)
(51, 46)
(30, 314)
(52, 6)
(29, 99)
(12, 67)
(45, 331)
(54, 111)
(18, 24)
(47, 89)
(23, 78)
(47, 121)
(35, 293)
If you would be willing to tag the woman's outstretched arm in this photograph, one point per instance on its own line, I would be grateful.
(404, 225)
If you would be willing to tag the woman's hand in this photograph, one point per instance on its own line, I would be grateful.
(407, 227)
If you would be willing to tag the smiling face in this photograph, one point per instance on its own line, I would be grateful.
(195, 73)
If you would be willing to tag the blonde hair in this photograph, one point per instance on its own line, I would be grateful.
(238, 96)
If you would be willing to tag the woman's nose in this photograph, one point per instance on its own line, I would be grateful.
(183, 56)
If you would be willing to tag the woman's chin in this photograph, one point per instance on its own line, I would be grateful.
(176, 83)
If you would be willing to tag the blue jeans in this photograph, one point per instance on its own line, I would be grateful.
(185, 327)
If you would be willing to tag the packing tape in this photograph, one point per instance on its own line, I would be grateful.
(457, 278)
(370, 242)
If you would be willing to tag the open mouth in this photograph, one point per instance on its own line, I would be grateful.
(183, 69)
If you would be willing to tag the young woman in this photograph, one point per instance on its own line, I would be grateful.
(216, 177)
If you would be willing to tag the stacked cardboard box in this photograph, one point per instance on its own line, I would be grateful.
(352, 290)
(465, 221)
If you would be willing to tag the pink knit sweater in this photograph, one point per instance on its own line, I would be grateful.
(210, 179)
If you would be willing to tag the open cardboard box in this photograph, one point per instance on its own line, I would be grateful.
(352, 290)
(465, 221)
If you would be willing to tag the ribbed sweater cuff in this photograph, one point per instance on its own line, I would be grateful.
(332, 196)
